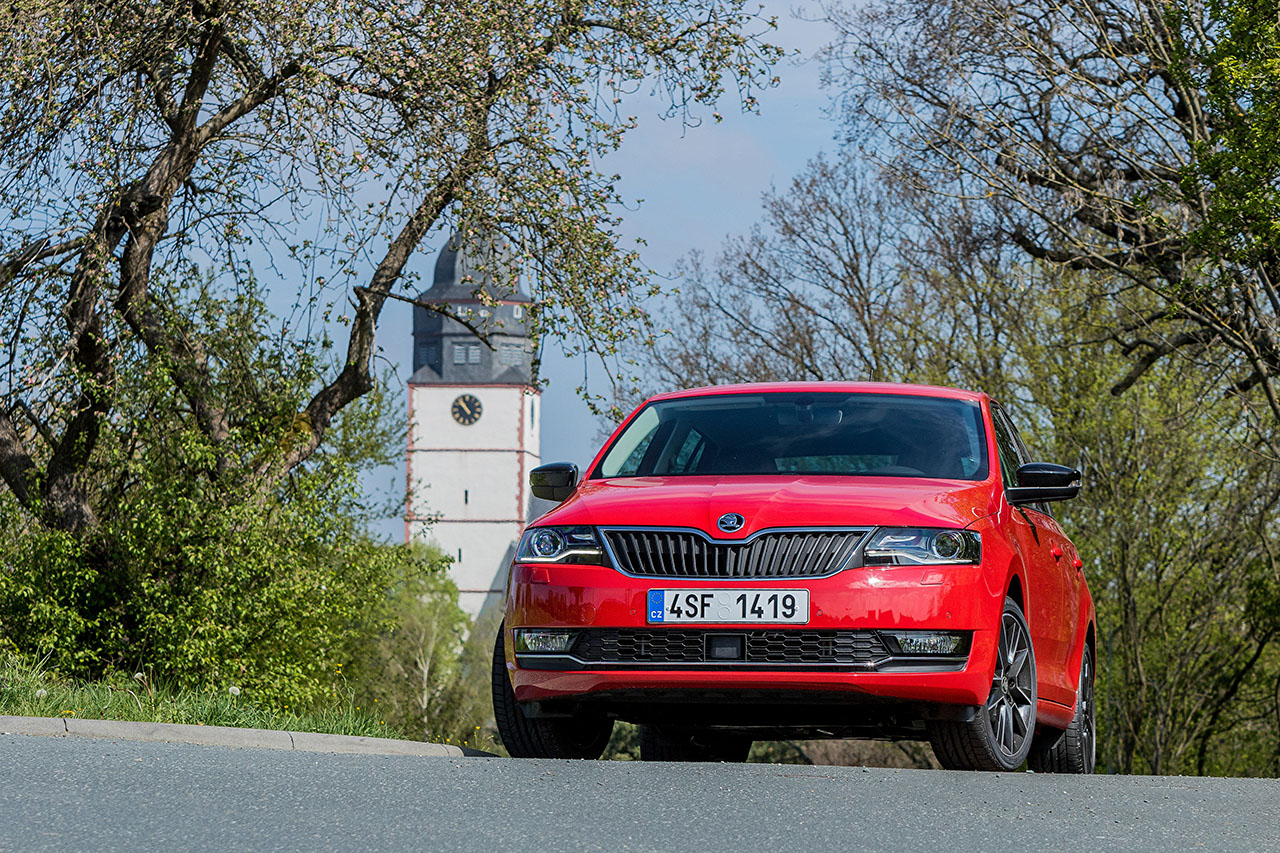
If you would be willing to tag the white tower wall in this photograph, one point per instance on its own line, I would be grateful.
(468, 485)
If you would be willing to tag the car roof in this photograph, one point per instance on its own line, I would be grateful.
(828, 387)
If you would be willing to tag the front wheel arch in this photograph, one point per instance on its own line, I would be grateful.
(999, 734)
(583, 736)
(1014, 589)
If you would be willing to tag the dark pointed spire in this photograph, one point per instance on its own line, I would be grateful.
(444, 350)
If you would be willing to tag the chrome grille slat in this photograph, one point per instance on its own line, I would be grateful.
(806, 554)
(789, 558)
(770, 550)
(685, 553)
(648, 546)
(624, 554)
(813, 546)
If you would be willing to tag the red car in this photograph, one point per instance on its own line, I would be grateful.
(803, 560)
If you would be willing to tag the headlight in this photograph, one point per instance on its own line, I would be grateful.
(561, 545)
(922, 546)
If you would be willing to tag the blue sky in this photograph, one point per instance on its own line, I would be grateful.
(698, 185)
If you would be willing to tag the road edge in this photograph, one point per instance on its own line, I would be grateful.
(226, 736)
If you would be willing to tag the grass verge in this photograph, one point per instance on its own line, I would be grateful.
(29, 690)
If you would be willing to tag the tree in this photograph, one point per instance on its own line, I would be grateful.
(144, 141)
(429, 671)
(1177, 522)
(207, 583)
(1129, 139)
(844, 278)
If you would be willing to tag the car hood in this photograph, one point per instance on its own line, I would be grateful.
(771, 501)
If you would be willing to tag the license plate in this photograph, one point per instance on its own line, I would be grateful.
(787, 606)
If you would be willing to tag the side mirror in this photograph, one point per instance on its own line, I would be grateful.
(1044, 481)
(555, 481)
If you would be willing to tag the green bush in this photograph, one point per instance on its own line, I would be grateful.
(427, 671)
(200, 568)
(268, 598)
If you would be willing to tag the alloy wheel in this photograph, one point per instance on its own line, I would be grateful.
(1011, 705)
(1089, 744)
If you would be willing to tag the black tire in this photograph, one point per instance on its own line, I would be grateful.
(1076, 749)
(579, 737)
(999, 736)
(658, 744)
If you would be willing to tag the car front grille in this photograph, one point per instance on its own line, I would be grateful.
(647, 552)
(687, 646)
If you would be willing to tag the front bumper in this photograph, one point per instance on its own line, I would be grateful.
(851, 607)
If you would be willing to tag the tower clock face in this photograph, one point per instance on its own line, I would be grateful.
(466, 409)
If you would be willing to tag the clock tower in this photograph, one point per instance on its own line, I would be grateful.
(473, 418)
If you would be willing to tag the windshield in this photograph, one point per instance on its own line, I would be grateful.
(888, 435)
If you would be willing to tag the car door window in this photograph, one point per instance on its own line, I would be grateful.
(1004, 425)
(1006, 447)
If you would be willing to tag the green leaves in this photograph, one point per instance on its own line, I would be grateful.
(428, 668)
(1234, 58)
(326, 142)
(1132, 141)
(195, 573)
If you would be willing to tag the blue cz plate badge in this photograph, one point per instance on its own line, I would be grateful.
(656, 605)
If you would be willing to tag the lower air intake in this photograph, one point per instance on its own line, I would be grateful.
(683, 646)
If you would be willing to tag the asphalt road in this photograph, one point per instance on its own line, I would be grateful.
(102, 795)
